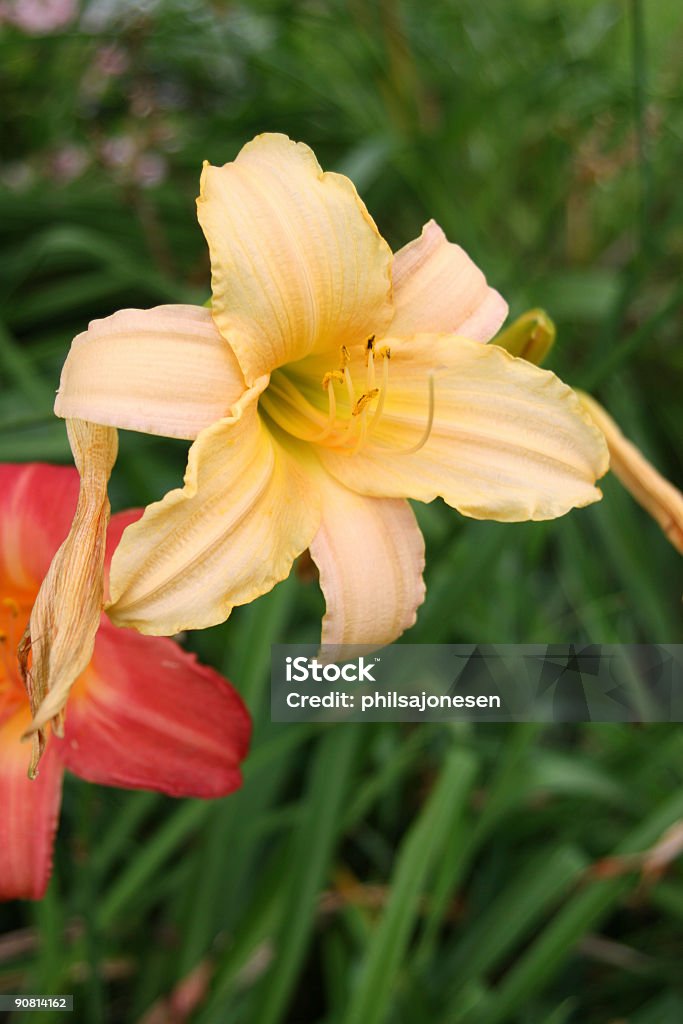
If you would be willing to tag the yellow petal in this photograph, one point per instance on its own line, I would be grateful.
(163, 371)
(66, 614)
(438, 288)
(650, 489)
(370, 554)
(298, 265)
(508, 440)
(230, 534)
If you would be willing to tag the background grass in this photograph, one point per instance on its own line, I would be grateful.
(375, 873)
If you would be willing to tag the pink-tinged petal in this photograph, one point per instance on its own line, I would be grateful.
(147, 715)
(370, 554)
(438, 288)
(162, 371)
(37, 505)
(29, 812)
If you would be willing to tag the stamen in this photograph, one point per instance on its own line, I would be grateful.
(364, 401)
(333, 375)
(351, 425)
(362, 433)
(425, 434)
(430, 421)
(332, 411)
(385, 352)
(281, 392)
(303, 418)
(371, 370)
(349, 387)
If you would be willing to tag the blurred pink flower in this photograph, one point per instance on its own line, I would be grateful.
(17, 176)
(68, 163)
(38, 17)
(124, 154)
(118, 151)
(112, 61)
(149, 169)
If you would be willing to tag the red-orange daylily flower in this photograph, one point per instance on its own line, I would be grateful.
(143, 715)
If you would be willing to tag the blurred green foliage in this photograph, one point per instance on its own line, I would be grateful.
(375, 873)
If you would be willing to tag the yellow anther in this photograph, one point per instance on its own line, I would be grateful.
(10, 603)
(336, 376)
(369, 348)
(384, 352)
(345, 356)
(364, 401)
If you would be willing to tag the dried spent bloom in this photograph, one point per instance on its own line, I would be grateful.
(143, 714)
(330, 381)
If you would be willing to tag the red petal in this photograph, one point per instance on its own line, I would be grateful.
(117, 524)
(29, 813)
(37, 504)
(147, 715)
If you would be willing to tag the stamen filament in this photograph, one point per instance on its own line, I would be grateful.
(349, 386)
(371, 370)
(425, 434)
(362, 433)
(386, 355)
(430, 421)
(280, 392)
(332, 412)
(351, 426)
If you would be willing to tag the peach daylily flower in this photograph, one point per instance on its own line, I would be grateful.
(143, 715)
(330, 381)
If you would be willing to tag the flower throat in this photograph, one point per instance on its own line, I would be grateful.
(347, 430)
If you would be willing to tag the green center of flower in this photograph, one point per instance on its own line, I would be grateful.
(296, 398)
